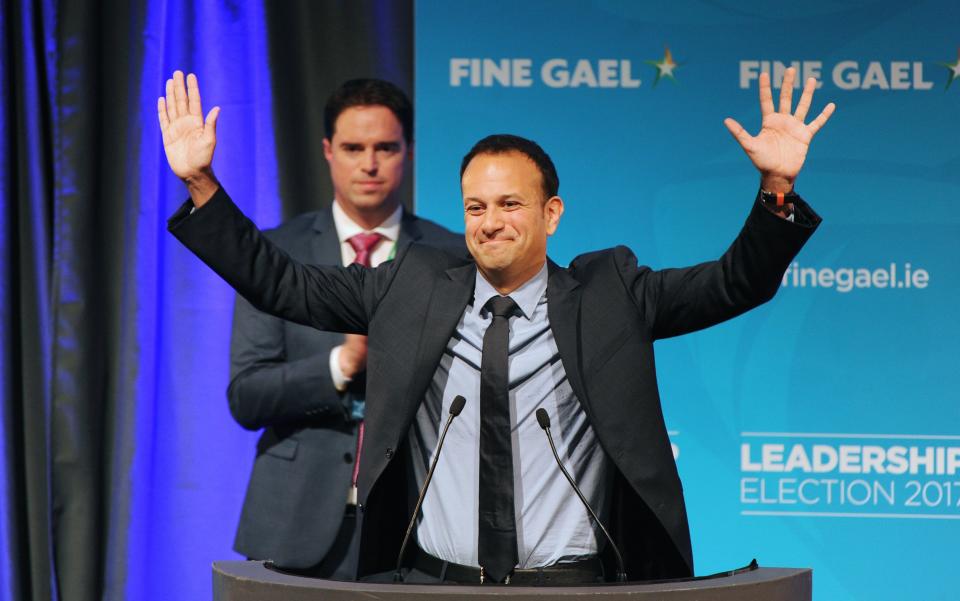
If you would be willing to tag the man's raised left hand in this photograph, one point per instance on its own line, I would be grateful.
(780, 148)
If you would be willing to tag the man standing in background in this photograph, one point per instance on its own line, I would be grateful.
(304, 387)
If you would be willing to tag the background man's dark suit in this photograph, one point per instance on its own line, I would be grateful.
(605, 313)
(280, 381)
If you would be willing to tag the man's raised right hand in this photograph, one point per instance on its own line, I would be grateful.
(188, 140)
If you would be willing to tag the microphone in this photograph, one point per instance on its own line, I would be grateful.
(455, 408)
(544, 420)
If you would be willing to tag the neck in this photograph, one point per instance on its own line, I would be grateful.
(505, 283)
(369, 217)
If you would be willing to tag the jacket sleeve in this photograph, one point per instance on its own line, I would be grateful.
(333, 298)
(266, 387)
(678, 301)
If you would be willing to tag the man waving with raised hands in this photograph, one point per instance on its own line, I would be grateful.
(575, 341)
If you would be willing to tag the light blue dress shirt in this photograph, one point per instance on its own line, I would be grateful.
(552, 524)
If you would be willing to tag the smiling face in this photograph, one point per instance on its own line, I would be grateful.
(507, 218)
(367, 155)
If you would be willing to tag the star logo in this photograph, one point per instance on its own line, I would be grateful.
(954, 69)
(664, 66)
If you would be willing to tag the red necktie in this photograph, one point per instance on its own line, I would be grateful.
(363, 244)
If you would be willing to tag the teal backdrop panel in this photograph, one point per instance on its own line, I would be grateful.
(822, 429)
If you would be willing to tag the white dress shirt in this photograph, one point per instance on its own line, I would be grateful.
(346, 229)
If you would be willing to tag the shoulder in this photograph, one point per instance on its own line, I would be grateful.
(608, 269)
(433, 233)
(426, 255)
(608, 258)
(297, 227)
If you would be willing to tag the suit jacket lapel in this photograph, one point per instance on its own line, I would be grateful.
(409, 230)
(563, 309)
(451, 293)
(325, 245)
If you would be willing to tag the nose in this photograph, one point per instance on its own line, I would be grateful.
(492, 222)
(370, 164)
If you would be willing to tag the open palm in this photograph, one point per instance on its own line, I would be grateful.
(188, 140)
(780, 148)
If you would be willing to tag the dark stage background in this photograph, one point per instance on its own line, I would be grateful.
(122, 472)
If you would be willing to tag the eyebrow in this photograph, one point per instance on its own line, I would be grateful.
(383, 144)
(512, 195)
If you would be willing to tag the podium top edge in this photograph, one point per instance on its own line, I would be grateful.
(250, 572)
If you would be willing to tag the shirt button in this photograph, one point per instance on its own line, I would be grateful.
(389, 453)
(347, 458)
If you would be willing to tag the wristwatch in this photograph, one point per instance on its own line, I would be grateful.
(779, 203)
(775, 199)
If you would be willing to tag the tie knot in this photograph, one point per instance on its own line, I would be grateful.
(501, 306)
(362, 244)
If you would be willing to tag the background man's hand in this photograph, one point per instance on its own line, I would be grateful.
(353, 355)
(187, 140)
(780, 148)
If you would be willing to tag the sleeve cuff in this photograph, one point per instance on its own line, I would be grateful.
(797, 211)
(340, 382)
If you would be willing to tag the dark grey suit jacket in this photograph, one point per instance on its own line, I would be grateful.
(280, 382)
(605, 313)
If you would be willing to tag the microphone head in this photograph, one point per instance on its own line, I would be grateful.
(457, 405)
(542, 418)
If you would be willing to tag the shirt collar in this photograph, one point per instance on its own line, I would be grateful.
(347, 228)
(526, 296)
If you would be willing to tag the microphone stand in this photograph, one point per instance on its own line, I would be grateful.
(544, 420)
(455, 408)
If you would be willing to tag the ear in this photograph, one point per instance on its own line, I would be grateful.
(327, 149)
(410, 153)
(552, 211)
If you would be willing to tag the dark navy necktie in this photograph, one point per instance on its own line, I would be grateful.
(497, 542)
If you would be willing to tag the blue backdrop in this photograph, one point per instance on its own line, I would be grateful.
(823, 429)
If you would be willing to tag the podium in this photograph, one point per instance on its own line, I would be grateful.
(252, 581)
